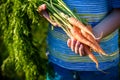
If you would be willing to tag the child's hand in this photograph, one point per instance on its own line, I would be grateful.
(42, 10)
(76, 46)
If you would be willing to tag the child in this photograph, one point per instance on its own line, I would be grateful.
(67, 64)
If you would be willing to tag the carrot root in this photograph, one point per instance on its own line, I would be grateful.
(90, 55)
(93, 58)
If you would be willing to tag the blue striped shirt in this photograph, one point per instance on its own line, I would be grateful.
(94, 11)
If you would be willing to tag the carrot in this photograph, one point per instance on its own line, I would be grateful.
(90, 28)
(77, 35)
(90, 38)
(92, 57)
(85, 40)
(76, 22)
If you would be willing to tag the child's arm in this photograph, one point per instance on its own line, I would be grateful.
(108, 24)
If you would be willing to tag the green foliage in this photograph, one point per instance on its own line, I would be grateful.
(22, 36)
(23, 32)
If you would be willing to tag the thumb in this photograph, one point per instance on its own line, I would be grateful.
(41, 8)
(69, 42)
(43, 12)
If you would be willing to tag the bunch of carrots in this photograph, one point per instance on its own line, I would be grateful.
(73, 25)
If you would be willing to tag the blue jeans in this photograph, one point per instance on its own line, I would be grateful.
(58, 73)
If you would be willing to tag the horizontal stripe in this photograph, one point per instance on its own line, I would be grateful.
(107, 38)
(109, 45)
(98, 15)
(58, 35)
(64, 37)
(83, 66)
(92, 17)
(88, 6)
(77, 58)
(92, 7)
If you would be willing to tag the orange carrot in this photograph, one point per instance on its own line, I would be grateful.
(76, 22)
(78, 36)
(90, 55)
(90, 38)
(90, 28)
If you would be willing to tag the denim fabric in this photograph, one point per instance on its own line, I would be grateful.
(66, 74)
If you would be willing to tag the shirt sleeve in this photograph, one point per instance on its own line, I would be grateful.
(116, 3)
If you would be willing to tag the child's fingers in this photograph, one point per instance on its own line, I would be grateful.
(73, 42)
(81, 52)
(77, 45)
(68, 42)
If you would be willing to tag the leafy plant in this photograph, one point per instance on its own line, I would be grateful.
(23, 34)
